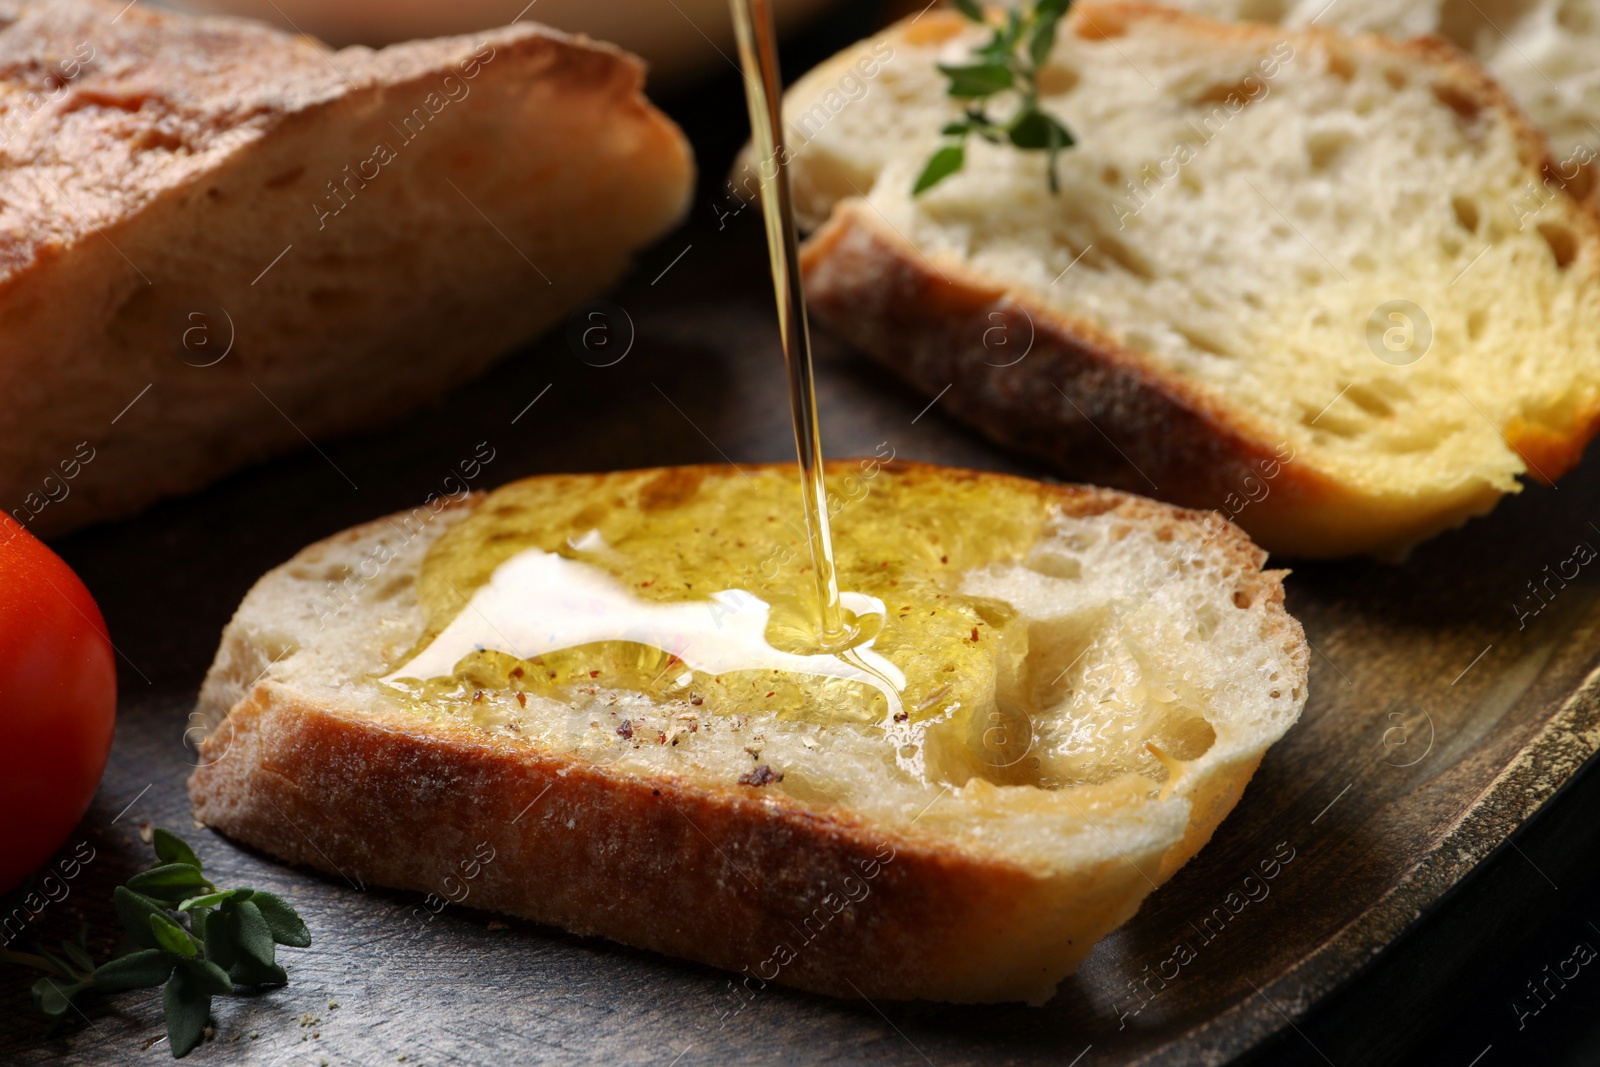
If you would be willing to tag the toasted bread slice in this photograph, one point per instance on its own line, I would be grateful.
(217, 240)
(1289, 275)
(1089, 680)
(1542, 51)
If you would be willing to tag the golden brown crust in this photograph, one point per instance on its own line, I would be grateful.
(1102, 412)
(755, 882)
(721, 877)
(370, 227)
(1549, 454)
(125, 110)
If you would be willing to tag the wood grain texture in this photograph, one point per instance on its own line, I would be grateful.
(1436, 726)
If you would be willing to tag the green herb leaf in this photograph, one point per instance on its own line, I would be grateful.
(1063, 137)
(144, 969)
(970, 9)
(1030, 129)
(222, 939)
(208, 977)
(1013, 27)
(170, 848)
(977, 79)
(172, 937)
(978, 123)
(231, 939)
(60, 965)
(285, 923)
(210, 900)
(998, 47)
(170, 881)
(49, 997)
(251, 972)
(187, 1008)
(1043, 40)
(999, 69)
(135, 910)
(943, 163)
(78, 955)
(255, 937)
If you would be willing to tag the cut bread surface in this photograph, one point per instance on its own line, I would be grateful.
(1542, 51)
(1266, 243)
(260, 239)
(1090, 680)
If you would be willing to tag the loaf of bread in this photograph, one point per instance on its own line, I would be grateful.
(1087, 680)
(218, 240)
(1544, 52)
(1289, 275)
(681, 40)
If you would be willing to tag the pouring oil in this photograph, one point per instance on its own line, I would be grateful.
(758, 52)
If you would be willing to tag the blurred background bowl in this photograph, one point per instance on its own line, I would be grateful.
(680, 39)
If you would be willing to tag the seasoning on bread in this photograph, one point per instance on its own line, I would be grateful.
(1090, 679)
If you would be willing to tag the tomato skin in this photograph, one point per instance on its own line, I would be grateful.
(58, 701)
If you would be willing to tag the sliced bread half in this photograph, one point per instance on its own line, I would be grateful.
(217, 240)
(1288, 275)
(1087, 681)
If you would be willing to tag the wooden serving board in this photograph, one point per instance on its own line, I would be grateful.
(1436, 726)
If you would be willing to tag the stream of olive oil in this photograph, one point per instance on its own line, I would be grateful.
(758, 52)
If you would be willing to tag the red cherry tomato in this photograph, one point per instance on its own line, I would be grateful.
(58, 701)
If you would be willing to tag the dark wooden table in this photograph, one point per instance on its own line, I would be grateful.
(1436, 727)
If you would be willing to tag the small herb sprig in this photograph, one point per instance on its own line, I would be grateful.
(180, 932)
(1009, 62)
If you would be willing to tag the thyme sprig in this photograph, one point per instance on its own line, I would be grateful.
(1010, 61)
(181, 933)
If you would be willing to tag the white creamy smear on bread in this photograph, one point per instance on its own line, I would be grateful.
(538, 602)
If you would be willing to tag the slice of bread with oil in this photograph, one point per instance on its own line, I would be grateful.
(1542, 51)
(1289, 275)
(218, 240)
(1090, 679)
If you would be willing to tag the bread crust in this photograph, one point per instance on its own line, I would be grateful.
(204, 213)
(1100, 411)
(754, 882)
